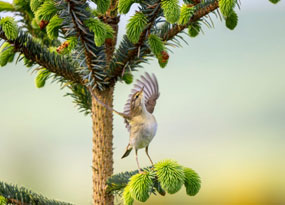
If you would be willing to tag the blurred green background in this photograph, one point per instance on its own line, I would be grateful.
(221, 112)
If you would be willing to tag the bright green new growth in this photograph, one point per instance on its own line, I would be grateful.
(136, 26)
(171, 10)
(35, 4)
(109, 31)
(155, 44)
(140, 185)
(3, 200)
(274, 1)
(128, 78)
(226, 7)
(170, 175)
(35, 24)
(192, 181)
(124, 6)
(186, 13)
(27, 62)
(21, 5)
(46, 11)
(127, 197)
(232, 20)
(194, 29)
(100, 29)
(10, 28)
(42, 77)
(6, 54)
(72, 43)
(102, 5)
(4, 6)
(53, 27)
(166, 175)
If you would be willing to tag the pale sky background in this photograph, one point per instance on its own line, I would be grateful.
(221, 112)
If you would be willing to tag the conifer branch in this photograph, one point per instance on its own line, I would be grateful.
(119, 69)
(113, 20)
(202, 9)
(79, 22)
(82, 31)
(23, 196)
(206, 8)
(166, 176)
(39, 54)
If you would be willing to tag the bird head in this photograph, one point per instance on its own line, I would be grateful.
(137, 99)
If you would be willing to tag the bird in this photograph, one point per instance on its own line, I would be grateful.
(139, 118)
(138, 114)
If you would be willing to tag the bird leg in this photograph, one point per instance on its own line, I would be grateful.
(146, 151)
(136, 152)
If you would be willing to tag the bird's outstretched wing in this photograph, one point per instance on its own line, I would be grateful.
(151, 94)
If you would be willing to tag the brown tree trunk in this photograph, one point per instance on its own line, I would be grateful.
(102, 146)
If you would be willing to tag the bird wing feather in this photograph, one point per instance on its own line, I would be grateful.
(151, 94)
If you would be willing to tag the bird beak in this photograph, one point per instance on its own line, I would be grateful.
(142, 89)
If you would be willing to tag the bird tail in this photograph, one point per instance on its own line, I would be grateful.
(128, 151)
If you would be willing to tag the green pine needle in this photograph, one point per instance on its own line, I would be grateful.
(155, 44)
(124, 6)
(186, 13)
(141, 184)
(136, 26)
(109, 31)
(232, 20)
(72, 43)
(35, 24)
(127, 197)
(170, 175)
(226, 7)
(162, 63)
(53, 27)
(41, 78)
(192, 182)
(194, 29)
(3, 200)
(171, 10)
(46, 11)
(27, 62)
(128, 78)
(6, 54)
(5, 6)
(100, 29)
(10, 28)
(21, 5)
(35, 4)
(274, 1)
(102, 5)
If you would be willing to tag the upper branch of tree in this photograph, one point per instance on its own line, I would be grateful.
(38, 53)
(112, 19)
(118, 71)
(201, 11)
(82, 31)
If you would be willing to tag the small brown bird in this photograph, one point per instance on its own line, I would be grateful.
(140, 121)
(138, 116)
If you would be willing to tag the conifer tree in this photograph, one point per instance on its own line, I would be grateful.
(74, 43)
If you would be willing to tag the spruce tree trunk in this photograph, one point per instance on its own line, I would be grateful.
(102, 161)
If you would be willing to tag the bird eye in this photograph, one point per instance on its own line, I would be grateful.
(136, 97)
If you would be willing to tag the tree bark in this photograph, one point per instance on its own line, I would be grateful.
(102, 162)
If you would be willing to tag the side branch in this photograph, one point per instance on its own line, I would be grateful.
(113, 20)
(35, 52)
(23, 196)
(119, 69)
(203, 11)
